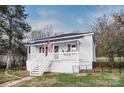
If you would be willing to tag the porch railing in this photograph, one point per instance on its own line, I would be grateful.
(66, 56)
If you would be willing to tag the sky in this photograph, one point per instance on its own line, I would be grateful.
(67, 18)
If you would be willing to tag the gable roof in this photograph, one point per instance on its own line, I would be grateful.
(62, 37)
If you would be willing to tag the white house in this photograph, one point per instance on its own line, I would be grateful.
(70, 53)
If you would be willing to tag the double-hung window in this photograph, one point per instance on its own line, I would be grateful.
(56, 49)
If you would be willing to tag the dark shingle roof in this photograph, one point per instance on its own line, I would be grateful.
(62, 37)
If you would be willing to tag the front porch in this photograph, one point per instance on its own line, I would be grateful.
(66, 51)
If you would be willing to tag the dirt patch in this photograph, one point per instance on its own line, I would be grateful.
(11, 83)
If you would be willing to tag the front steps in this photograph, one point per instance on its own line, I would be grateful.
(41, 66)
(35, 72)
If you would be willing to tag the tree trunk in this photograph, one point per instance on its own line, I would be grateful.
(111, 59)
(9, 60)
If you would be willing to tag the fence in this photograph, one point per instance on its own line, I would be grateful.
(97, 67)
(100, 67)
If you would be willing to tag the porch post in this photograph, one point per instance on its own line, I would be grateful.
(78, 49)
(44, 49)
(53, 49)
(78, 46)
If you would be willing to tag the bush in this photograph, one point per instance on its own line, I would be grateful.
(2, 65)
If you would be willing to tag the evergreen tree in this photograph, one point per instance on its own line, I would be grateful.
(12, 27)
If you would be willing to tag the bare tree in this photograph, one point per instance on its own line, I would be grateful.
(119, 20)
(110, 34)
(105, 35)
(47, 31)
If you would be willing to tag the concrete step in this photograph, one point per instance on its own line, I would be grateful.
(34, 71)
(35, 74)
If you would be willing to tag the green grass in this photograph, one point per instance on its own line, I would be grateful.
(100, 79)
(105, 59)
(90, 79)
(4, 78)
(18, 73)
(94, 79)
(121, 81)
(97, 79)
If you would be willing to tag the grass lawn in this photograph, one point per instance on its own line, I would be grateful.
(105, 59)
(99, 79)
(89, 79)
(94, 79)
(18, 74)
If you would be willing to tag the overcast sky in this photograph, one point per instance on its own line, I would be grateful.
(66, 18)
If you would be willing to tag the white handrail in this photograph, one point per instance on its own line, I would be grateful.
(43, 65)
(33, 60)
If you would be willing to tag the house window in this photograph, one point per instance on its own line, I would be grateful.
(43, 49)
(69, 48)
(29, 49)
(73, 47)
(40, 49)
(56, 48)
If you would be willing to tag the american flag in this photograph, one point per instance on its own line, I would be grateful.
(50, 46)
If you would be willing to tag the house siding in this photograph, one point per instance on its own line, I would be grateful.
(86, 55)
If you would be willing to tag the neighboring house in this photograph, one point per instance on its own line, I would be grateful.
(65, 53)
